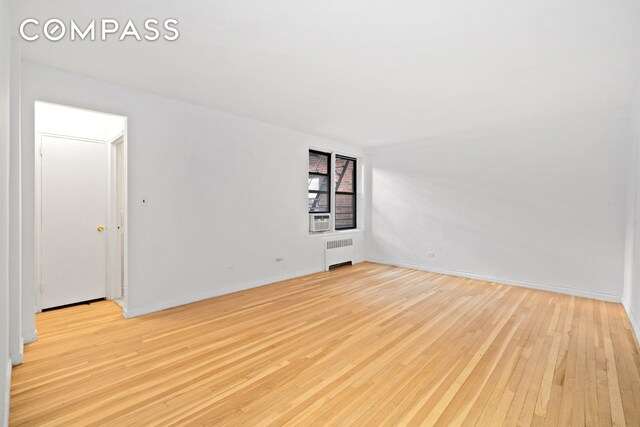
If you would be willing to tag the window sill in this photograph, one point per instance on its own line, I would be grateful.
(334, 233)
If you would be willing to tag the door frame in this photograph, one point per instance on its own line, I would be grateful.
(114, 255)
(112, 291)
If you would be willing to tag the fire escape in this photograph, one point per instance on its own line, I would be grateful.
(341, 171)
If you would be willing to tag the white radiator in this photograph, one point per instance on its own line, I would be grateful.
(338, 252)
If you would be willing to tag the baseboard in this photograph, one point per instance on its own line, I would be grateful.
(6, 390)
(17, 358)
(635, 325)
(521, 283)
(134, 312)
(31, 337)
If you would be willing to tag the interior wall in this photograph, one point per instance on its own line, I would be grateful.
(15, 213)
(5, 78)
(538, 204)
(632, 254)
(226, 196)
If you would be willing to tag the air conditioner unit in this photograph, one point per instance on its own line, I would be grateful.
(319, 222)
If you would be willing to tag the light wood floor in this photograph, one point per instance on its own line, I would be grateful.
(368, 345)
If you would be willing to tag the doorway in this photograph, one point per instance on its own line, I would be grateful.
(80, 205)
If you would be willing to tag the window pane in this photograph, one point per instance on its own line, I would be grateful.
(318, 183)
(344, 175)
(345, 211)
(318, 202)
(318, 163)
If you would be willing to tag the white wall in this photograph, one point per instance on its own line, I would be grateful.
(535, 204)
(632, 254)
(226, 195)
(5, 72)
(15, 214)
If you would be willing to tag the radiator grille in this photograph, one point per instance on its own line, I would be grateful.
(335, 244)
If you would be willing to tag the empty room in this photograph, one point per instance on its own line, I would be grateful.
(368, 213)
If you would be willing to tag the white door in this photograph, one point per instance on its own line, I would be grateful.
(74, 212)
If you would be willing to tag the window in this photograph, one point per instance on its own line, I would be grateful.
(319, 182)
(345, 179)
(321, 194)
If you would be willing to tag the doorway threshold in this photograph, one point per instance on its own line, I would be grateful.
(73, 304)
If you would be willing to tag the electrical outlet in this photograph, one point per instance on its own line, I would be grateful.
(145, 202)
(431, 254)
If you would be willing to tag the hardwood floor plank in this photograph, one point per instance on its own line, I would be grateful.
(363, 345)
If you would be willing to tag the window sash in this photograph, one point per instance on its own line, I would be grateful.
(328, 156)
(352, 193)
(329, 183)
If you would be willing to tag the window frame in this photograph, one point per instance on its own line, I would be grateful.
(353, 193)
(329, 176)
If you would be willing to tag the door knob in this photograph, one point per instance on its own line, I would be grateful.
(100, 228)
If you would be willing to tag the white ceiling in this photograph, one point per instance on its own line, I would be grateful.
(367, 72)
